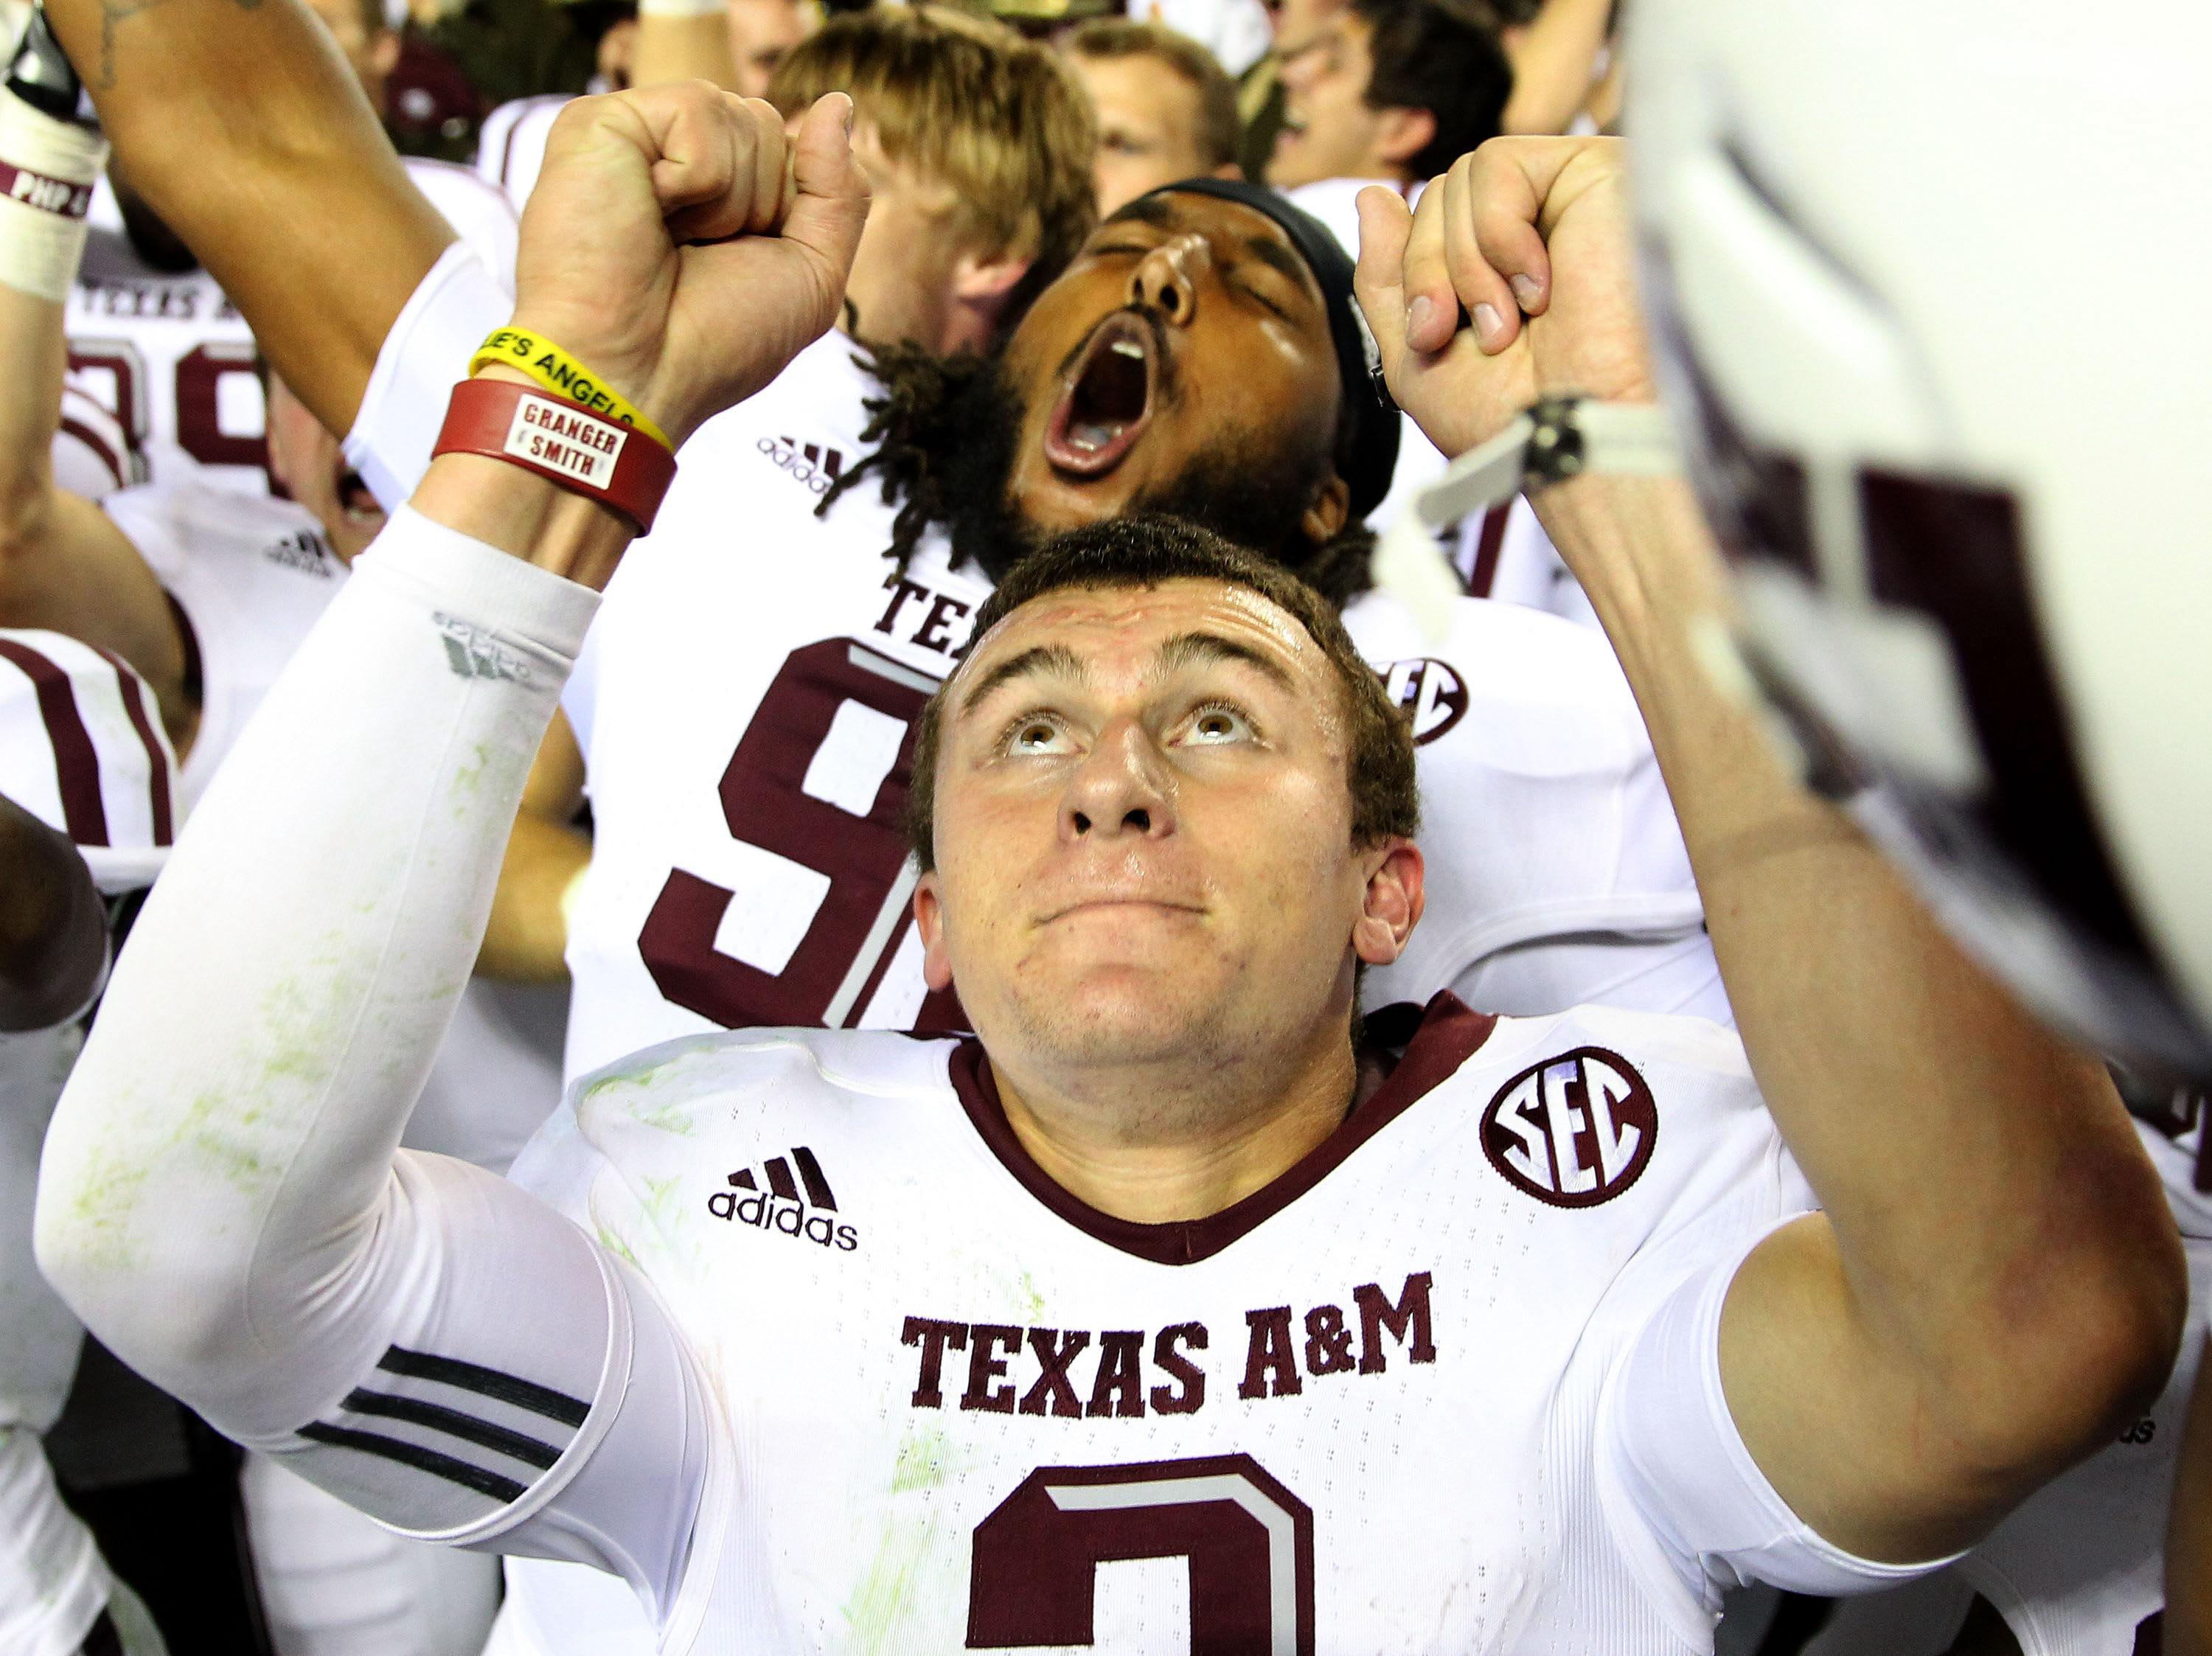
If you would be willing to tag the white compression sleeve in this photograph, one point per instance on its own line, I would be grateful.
(223, 1200)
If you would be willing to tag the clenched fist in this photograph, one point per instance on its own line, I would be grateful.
(1530, 238)
(685, 249)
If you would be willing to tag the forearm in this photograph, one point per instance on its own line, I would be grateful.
(33, 355)
(2189, 1537)
(528, 936)
(1891, 1062)
(680, 48)
(238, 177)
(232, 1146)
(1553, 65)
(53, 929)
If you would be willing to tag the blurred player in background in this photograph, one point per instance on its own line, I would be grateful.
(1166, 109)
(157, 346)
(89, 806)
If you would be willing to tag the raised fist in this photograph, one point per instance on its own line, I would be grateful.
(1530, 239)
(680, 245)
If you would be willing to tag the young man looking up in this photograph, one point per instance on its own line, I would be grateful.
(1166, 109)
(1587, 1341)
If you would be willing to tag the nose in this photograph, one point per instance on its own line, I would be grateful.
(1121, 788)
(1166, 278)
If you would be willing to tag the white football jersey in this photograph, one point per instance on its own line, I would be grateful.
(169, 359)
(82, 749)
(2078, 1569)
(1446, 1385)
(250, 576)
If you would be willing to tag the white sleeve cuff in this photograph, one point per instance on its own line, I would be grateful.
(1687, 1503)
(482, 599)
(426, 354)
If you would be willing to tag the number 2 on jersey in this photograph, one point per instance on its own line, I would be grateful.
(821, 778)
(1249, 1539)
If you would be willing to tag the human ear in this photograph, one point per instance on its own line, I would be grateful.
(1326, 512)
(929, 923)
(1403, 133)
(1391, 906)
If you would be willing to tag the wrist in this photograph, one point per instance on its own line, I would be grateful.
(526, 516)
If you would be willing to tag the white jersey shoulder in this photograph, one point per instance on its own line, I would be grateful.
(479, 212)
(81, 749)
(954, 1392)
(250, 576)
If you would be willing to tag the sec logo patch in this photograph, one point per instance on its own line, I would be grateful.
(1573, 1131)
(1430, 692)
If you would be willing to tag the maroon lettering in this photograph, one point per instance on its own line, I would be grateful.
(933, 1336)
(1192, 1397)
(936, 631)
(1052, 1389)
(200, 375)
(1328, 1342)
(900, 590)
(1271, 1364)
(1407, 1321)
(983, 1368)
(1119, 1388)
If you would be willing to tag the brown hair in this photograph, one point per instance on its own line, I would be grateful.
(1440, 56)
(1220, 130)
(969, 103)
(1144, 550)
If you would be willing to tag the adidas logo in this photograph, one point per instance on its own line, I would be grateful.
(779, 1208)
(811, 463)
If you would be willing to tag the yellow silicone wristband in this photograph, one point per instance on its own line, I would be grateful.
(562, 374)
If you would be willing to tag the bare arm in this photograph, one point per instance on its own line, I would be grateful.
(1993, 1282)
(64, 565)
(674, 48)
(2189, 1537)
(53, 932)
(528, 936)
(291, 196)
(1554, 64)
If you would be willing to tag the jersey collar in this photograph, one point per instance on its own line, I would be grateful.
(1447, 1036)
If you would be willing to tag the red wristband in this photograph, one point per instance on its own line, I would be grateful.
(616, 465)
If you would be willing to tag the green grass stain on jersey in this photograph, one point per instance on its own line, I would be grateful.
(880, 1612)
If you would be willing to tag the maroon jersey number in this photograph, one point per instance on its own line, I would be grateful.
(1249, 1539)
(200, 373)
(767, 803)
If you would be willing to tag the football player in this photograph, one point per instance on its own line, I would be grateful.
(985, 1315)
(88, 805)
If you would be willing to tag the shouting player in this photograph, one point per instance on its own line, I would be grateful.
(861, 1339)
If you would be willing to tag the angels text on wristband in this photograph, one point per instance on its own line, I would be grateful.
(562, 374)
(577, 447)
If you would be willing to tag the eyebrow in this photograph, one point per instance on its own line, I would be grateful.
(1270, 252)
(1043, 660)
(1153, 209)
(1190, 649)
(1183, 650)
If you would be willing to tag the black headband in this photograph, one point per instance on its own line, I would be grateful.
(1371, 454)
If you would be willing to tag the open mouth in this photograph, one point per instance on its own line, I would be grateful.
(1108, 399)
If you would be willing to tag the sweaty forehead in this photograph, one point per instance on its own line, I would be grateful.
(1123, 629)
